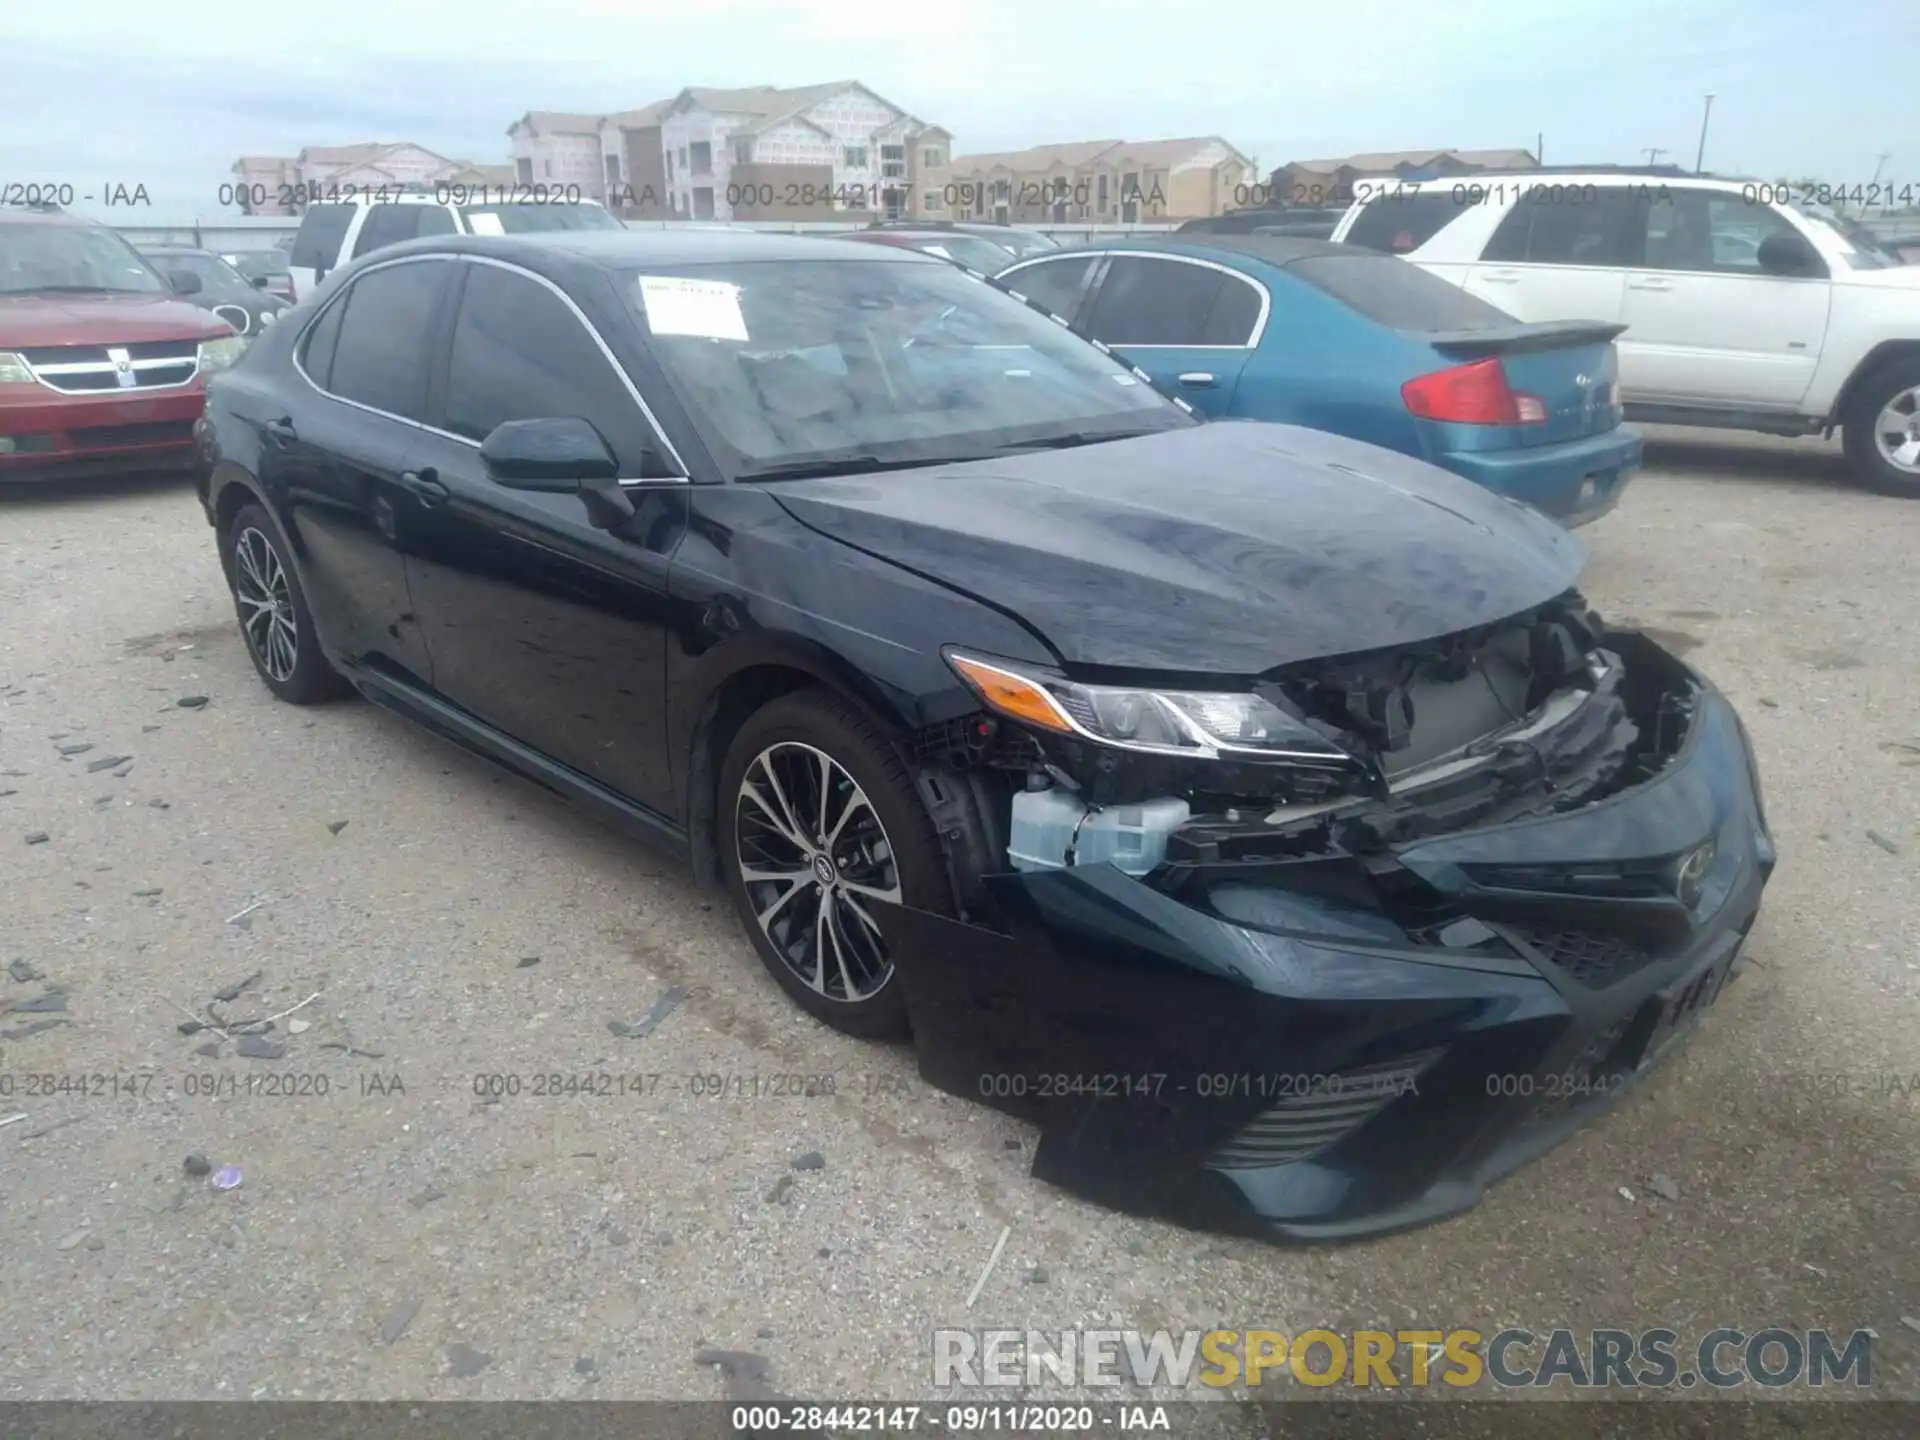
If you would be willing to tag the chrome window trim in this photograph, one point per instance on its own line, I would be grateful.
(1260, 289)
(653, 423)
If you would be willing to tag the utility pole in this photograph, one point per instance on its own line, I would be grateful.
(1878, 165)
(1701, 154)
(1540, 147)
(1654, 152)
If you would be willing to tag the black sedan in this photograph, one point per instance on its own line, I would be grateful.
(222, 289)
(1263, 813)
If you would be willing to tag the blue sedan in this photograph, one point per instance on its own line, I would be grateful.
(1344, 339)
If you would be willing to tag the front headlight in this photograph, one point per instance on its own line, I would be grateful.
(13, 369)
(267, 317)
(1202, 725)
(217, 355)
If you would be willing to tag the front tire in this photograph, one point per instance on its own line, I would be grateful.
(819, 822)
(274, 619)
(1881, 430)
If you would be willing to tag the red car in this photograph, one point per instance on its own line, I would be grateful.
(102, 367)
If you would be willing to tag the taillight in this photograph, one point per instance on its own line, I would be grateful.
(1613, 395)
(1472, 394)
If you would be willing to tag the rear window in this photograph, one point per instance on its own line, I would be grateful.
(1399, 223)
(526, 219)
(1397, 294)
(322, 228)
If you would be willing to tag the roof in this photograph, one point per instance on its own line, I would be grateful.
(1165, 154)
(1271, 249)
(623, 249)
(33, 215)
(557, 122)
(1037, 157)
(638, 119)
(1394, 159)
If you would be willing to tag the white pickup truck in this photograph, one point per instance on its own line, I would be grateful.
(1747, 306)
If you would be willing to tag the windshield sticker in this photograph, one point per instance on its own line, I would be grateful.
(708, 309)
(482, 223)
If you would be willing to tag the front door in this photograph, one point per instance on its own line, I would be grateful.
(1189, 324)
(1706, 325)
(540, 622)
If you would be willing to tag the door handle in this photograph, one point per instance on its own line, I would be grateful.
(1501, 277)
(424, 486)
(280, 432)
(1645, 284)
(1197, 380)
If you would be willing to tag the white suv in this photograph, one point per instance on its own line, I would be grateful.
(336, 230)
(1746, 307)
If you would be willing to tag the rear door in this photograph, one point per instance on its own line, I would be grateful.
(1190, 324)
(1560, 253)
(1706, 326)
(540, 623)
(338, 460)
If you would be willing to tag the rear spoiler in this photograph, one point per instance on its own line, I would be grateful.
(1520, 338)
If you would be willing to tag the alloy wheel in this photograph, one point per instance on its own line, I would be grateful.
(812, 854)
(260, 585)
(1897, 432)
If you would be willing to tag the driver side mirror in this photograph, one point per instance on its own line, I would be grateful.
(1785, 254)
(184, 282)
(259, 282)
(559, 456)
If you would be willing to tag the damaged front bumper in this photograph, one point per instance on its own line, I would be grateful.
(1355, 1042)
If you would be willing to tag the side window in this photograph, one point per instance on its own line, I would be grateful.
(1703, 230)
(520, 354)
(1054, 283)
(434, 220)
(317, 244)
(387, 224)
(1399, 223)
(385, 344)
(1235, 312)
(1564, 225)
(316, 349)
(1155, 302)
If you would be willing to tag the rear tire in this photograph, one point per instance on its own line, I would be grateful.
(1881, 430)
(811, 768)
(274, 619)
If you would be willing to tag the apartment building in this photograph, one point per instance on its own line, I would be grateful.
(556, 148)
(1314, 182)
(273, 184)
(764, 152)
(1101, 182)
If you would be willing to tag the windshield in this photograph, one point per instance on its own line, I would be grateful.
(71, 258)
(976, 254)
(889, 362)
(1860, 247)
(256, 264)
(1028, 242)
(214, 273)
(525, 219)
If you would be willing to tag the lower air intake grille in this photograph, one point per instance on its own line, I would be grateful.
(1325, 1109)
(1595, 961)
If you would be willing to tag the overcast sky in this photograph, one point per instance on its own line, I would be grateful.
(106, 91)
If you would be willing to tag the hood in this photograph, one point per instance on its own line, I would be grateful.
(41, 320)
(1224, 549)
(1899, 277)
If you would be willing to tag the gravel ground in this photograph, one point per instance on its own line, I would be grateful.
(395, 1236)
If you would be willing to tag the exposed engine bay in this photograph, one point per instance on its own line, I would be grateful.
(1545, 712)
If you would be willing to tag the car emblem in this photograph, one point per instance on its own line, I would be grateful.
(1585, 382)
(1691, 873)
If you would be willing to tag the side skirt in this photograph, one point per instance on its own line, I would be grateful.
(452, 723)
